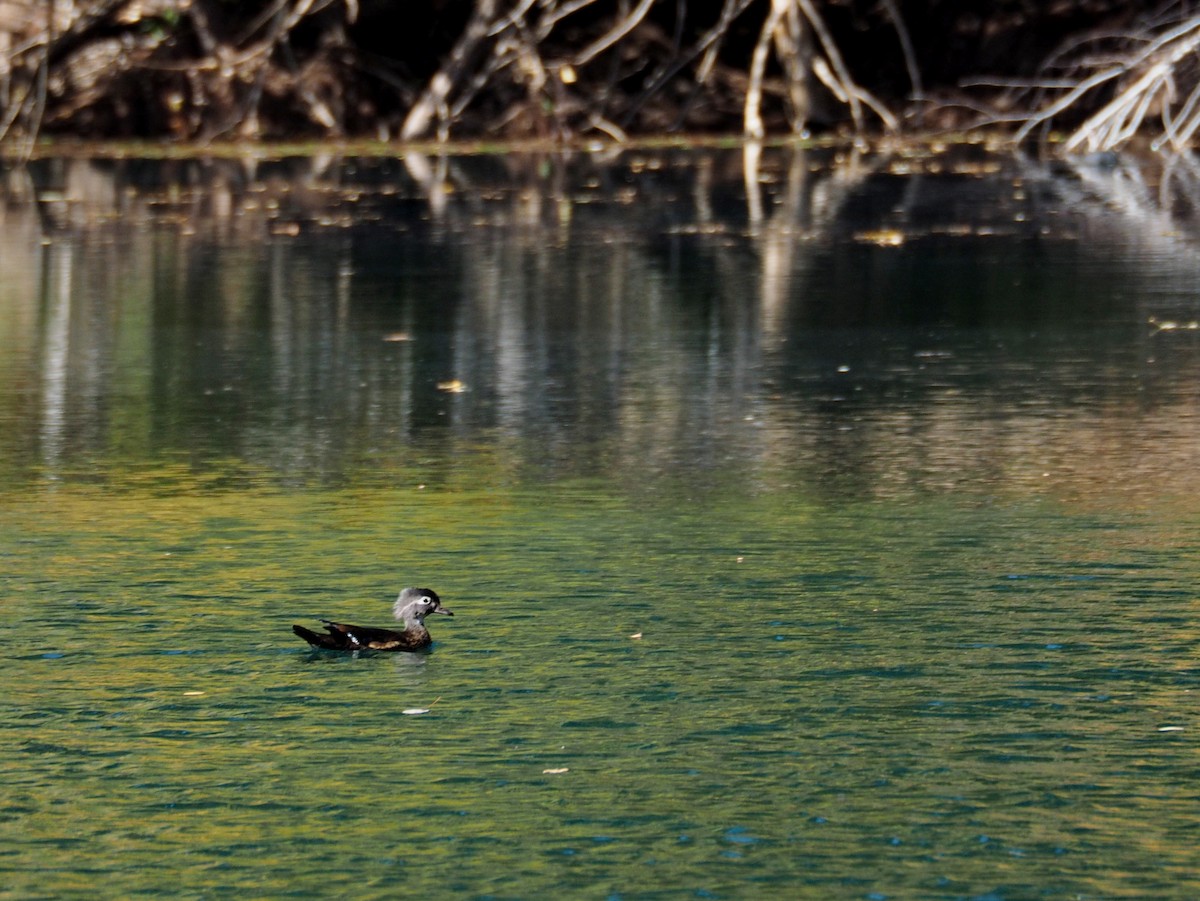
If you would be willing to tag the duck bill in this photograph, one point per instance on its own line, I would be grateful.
(444, 611)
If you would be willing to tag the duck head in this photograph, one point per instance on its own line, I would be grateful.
(414, 604)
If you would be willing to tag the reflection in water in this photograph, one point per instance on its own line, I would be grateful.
(55, 354)
(884, 463)
(865, 324)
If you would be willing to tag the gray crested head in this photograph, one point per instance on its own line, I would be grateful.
(414, 604)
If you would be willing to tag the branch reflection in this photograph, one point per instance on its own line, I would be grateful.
(857, 322)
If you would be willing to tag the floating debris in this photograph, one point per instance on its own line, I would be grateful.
(454, 386)
(417, 711)
(1170, 728)
(1170, 325)
(885, 237)
(636, 635)
(192, 694)
(558, 771)
(397, 336)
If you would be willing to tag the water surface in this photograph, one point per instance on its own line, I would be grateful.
(836, 540)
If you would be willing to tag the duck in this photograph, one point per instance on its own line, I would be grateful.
(411, 608)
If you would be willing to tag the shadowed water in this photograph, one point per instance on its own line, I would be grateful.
(842, 547)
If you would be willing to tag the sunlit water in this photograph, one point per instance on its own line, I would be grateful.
(846, 555)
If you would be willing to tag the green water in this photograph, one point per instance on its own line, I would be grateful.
(832, 597)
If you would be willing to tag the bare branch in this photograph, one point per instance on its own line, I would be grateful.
(620, 30)
(906, 47)
(1182, 41)
(434, 101)
(752, 123)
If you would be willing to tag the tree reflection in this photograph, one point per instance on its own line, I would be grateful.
(856, 322)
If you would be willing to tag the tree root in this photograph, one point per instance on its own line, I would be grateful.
(203, 69)
(1108, 86)
(199, 70)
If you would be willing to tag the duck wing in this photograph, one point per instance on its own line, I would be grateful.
(331, 642)
(343, 636)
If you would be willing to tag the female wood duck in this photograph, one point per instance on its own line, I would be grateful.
(411, 608)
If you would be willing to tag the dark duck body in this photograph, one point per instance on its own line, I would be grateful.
(411, 608)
